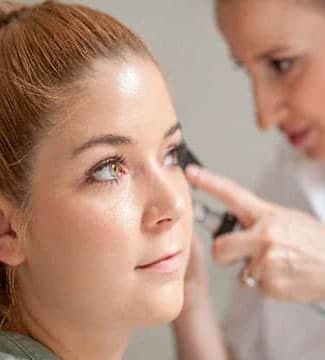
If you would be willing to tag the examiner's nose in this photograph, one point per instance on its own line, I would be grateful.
(269, 105)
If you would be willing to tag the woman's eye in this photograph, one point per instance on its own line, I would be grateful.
(109, 170)
(172, 157)
(282, 66)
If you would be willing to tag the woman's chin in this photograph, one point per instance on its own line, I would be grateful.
(164, 306)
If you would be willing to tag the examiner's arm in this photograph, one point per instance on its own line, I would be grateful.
(197, 334)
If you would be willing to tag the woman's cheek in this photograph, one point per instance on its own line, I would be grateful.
(89, 221)
(104, 222)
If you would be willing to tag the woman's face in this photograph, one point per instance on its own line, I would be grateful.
(109, 199)
(281, 45)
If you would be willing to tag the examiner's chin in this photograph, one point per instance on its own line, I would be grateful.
(314, 153)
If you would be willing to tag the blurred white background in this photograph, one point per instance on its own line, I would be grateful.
(214, 104)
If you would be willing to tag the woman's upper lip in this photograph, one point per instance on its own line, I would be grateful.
(159, 259)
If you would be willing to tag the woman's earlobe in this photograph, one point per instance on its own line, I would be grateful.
(11, 251)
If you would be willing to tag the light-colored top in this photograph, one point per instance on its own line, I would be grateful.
(14, 346)
(259, 328)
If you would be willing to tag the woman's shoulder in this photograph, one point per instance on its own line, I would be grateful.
(14, 346)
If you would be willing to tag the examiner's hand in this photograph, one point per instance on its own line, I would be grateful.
(285, 248)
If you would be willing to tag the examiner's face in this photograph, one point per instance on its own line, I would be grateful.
(112, 209)
(281, 45)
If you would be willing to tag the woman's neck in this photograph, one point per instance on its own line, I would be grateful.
(77, 342)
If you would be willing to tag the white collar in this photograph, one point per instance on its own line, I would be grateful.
(310, 176)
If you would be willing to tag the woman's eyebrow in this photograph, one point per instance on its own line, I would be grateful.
(172, 130)
(106, 139)
(115, 140)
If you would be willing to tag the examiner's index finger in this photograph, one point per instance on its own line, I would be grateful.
(245, 205)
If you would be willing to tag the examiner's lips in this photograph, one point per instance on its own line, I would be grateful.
(167, 263)
(298, 137)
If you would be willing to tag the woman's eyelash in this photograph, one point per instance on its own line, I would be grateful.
(179, 150)
(116, 159)
(176, 148)
(176, 152)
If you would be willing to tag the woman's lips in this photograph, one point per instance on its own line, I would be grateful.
(298, 138)
(167, 264)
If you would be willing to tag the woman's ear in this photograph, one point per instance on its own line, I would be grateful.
(11, 251)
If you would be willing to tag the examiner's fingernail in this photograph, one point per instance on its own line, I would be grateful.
(192, 170)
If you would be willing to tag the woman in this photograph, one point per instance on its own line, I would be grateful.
(280, 43)
(95, 213)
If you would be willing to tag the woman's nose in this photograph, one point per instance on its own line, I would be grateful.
(165, 205)
(270, 107)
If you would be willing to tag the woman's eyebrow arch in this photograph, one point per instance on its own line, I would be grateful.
(172, 130)
(115, 140)
(105, 139)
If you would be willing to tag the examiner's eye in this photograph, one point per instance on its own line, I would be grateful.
(282, 66)
(109, 170)
(173, 156)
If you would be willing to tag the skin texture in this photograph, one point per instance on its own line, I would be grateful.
(82, 293)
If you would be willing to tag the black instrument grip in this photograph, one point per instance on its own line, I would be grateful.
(228, 223)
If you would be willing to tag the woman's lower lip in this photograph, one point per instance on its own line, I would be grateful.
(299, 139)
(166, 266)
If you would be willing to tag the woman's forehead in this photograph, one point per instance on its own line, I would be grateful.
(128, 99)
